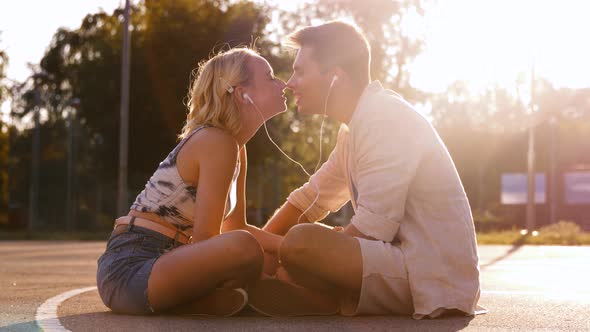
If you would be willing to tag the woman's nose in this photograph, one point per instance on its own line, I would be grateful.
(282, 85)
(289, 84)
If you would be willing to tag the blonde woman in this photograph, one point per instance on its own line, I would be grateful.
(167, 254)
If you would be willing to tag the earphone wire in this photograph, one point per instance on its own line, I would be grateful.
(276, 145)
(291, 159)
(317, 187)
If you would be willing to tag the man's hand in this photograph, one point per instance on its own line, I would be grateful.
(353, 231)
(269, 242)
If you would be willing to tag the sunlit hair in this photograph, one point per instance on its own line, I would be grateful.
(209, 99)
(336, 43)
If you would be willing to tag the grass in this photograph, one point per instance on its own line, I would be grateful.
(6, 235)
(561, 233)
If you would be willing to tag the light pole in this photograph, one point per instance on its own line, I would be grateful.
(530, 207)
(124, 128)
(35, 155)
(34, 186)
(552, 169)
(70, 213)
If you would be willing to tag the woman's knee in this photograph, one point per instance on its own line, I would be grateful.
(246, 248)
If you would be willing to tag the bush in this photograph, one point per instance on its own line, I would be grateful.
(561, 233)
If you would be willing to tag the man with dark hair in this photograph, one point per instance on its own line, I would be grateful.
(410, 247)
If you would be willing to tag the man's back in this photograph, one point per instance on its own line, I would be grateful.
(416, 185)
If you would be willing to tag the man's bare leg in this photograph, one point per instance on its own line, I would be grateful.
(323, 259)
(319, 267)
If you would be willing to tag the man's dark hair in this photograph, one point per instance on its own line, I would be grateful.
(336, 43)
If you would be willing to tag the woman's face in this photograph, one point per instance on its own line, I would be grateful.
(265, 90)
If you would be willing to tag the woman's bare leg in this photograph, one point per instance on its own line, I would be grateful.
(271, 263)
(194, 270)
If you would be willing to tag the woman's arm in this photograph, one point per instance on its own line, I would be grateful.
(216, 162)
(237, 219)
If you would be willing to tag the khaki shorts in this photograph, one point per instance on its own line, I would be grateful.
(385, 289)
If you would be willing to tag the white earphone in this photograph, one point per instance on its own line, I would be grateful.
(334, 79)
(245, 96)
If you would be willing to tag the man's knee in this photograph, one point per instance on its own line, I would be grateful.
(297, 244)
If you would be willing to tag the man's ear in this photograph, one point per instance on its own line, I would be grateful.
(338, 72)
(335, 73)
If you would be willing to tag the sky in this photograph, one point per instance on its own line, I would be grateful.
(485, 42)
(482, 42)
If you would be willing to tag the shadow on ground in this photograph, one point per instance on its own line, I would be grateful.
(515, 247)
(107, 321)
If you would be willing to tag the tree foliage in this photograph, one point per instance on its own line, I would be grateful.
(79, 76)
(4, 144)
(487, 134)
(168, 40)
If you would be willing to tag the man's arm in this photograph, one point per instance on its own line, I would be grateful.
(287, 215)
(354, 232)
(284, 218)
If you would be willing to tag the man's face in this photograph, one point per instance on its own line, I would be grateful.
(307, 83)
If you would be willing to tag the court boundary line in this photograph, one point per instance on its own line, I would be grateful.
(46, 316)
(47, 319)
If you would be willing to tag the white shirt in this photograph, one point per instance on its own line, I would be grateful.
(403, 184)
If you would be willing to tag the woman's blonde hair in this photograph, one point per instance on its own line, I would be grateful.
(210, 100)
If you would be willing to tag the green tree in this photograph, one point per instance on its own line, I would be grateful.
(168, 40)
(4, 143)
(487, 134)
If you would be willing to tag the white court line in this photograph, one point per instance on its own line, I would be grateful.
(46, 316)
(47, 319)
(503, 292)
(554, 294)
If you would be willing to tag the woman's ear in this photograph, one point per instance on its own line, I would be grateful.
(239, 95)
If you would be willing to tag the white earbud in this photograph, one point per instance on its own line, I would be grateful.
(245, 96)
(334, 79)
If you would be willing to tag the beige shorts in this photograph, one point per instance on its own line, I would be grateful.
(385, 289)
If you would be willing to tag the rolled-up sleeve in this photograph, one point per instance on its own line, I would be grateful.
(330, 180)
(388, 150)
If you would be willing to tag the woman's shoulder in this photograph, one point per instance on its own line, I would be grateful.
(211, 140)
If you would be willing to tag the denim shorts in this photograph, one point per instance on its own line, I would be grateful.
(125, 266)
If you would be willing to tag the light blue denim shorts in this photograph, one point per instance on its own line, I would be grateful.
(125, 266)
